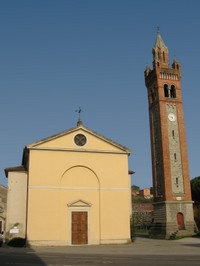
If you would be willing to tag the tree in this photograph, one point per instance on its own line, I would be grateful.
(195, 189)
(134, 187)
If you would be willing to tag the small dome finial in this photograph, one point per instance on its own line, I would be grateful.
(79, 123)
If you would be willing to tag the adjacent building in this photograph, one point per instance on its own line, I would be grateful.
(3, 207)
(146, 193)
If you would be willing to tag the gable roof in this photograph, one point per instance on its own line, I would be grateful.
(72, 130)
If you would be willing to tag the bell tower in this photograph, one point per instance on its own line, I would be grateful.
(173, 208)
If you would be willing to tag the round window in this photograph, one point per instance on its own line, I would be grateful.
(80, 139)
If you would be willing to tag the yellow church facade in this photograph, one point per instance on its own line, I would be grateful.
(72, 188)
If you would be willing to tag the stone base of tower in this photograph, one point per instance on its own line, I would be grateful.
(172, 219)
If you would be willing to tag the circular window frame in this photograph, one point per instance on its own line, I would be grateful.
(80, 140)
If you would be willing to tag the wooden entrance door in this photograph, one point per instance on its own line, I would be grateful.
(79, 228)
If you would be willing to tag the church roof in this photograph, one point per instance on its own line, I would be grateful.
(19, 168)
(82, 127)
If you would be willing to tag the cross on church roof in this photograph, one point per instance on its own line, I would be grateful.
(79, 111)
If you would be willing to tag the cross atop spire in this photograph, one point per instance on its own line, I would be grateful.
(79, 113)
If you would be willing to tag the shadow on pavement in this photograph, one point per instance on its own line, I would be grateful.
(19, 256)
(196, 245)
(144, 235)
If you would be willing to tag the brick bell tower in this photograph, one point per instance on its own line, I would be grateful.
(173, 208)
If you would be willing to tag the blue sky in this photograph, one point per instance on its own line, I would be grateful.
(58, 55)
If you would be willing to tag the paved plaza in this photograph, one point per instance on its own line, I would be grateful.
(141, 246)
(143, 251)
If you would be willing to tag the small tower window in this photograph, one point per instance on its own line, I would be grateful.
(173, 92)
(173, 134)
(163, 57)
(170, 92)
(166, 90)
(153, 94)
(175, 157)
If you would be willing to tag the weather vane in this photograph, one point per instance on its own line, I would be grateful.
(79, 111)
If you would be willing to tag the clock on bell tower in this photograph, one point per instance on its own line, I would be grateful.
(173, 208)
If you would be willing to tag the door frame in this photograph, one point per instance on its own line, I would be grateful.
(79, 206)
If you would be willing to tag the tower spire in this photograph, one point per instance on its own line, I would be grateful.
(160, 52)
(159, 41)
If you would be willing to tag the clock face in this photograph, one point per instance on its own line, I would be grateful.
(172, 117)
(80, 139)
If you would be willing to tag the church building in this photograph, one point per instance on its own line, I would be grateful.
(72, 188)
